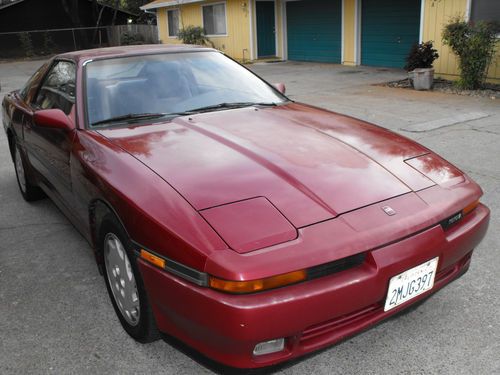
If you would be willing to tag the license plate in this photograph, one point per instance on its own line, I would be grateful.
(411, 283)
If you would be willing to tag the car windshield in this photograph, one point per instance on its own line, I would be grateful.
(156, 86)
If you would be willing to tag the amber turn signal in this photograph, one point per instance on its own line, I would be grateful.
(471, 207)
(240, 287)
(153, 259)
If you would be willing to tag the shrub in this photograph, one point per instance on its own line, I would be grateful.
(194, 35)
(474, 44)
(421, 56)
(128, 38)
(27, 44)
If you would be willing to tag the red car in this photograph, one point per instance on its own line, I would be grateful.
(253, 228)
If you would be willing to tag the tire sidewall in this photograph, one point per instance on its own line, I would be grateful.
(32, 192)
(19, 152)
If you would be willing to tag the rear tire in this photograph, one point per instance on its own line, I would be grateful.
(124, 282)
(29, 191)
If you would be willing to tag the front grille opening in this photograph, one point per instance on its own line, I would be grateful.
(336, 325)
(335, 266)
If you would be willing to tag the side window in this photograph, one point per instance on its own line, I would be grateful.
(214, 19)
(173, 22)
(29, 86)
(58, 88)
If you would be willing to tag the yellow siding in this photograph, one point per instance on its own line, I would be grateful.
(494, 71)
(349, 32)
(161, 22)
(437, 14)
(236, 43)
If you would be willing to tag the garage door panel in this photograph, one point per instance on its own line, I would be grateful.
(388, 30)
(314, 30)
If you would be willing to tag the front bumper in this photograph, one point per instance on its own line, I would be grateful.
(310, 315)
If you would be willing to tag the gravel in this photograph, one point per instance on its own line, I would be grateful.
(490, 90)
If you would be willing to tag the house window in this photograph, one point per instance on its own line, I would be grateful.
(485, 10)
(173, 22)
(214, 19)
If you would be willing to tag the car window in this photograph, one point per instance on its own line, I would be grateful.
(25, 90)
(169, 83)
(58, 88)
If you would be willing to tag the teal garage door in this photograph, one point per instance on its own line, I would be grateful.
(314, 30)
(388, 30)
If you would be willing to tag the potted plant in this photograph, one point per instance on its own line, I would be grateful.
(419, 65)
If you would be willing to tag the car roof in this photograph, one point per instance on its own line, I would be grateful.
(124, 51)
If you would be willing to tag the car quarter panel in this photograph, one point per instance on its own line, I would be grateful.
(153, 213)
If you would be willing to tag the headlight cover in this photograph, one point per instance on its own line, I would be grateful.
(437, 169)
(250, 224)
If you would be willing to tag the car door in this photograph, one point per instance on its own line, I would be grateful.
(49, 149)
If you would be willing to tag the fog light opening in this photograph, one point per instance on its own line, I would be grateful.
(268, 347)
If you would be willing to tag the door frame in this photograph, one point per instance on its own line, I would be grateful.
(357, 28)
(255, 34)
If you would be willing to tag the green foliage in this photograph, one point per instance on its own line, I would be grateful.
(131, 39)
(27, 44)
(474, 44)
(421, 56)
(194, 35)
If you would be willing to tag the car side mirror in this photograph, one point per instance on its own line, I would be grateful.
(52, 119)
(280, 87)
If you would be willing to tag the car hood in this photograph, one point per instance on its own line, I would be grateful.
(311, 164)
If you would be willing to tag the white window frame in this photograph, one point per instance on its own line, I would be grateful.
(168, 23)
(225, 18)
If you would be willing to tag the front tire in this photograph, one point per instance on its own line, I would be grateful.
(124, 282)
(29, 191)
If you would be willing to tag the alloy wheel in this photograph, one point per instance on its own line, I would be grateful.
(121, 279)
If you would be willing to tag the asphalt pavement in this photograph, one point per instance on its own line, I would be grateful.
(56, 317)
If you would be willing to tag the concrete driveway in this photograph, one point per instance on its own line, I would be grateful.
(55, 316)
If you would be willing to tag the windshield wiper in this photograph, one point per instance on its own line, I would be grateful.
(142, 116)
(130, 116)
(227, 106)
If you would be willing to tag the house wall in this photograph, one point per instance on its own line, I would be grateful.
(436, 15)
(237, 41)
